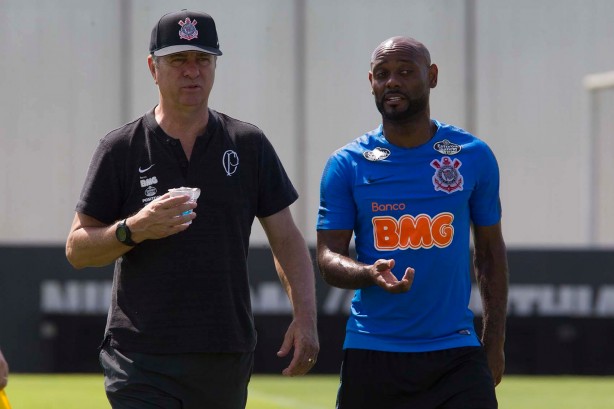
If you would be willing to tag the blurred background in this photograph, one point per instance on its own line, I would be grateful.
(531, 78)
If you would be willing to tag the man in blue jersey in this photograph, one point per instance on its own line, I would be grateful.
(412, 191)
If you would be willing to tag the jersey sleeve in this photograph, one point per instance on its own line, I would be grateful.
(276, 191)
(101, 196)
(337, 209)
(485, 203)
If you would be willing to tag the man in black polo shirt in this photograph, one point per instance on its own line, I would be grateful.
(180, 331)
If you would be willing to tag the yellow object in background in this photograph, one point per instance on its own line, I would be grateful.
(4, 401)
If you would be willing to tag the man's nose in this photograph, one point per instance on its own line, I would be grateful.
(393, 82)
(191, 69)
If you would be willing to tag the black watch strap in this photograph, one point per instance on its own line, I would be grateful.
(123, 234)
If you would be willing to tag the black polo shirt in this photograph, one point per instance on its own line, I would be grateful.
(188, 292)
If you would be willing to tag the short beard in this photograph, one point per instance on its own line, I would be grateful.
(414, 106)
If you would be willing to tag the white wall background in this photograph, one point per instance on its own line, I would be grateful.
(72, 70)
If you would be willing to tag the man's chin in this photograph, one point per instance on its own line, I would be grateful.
(396, 115)
(192, 102)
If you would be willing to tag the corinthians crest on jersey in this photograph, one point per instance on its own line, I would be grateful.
(447, 177)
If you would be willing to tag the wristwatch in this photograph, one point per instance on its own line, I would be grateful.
(123, 234)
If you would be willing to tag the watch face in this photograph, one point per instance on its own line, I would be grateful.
(121, 234)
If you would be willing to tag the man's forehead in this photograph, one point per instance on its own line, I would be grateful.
(401, 48)
(188, 53)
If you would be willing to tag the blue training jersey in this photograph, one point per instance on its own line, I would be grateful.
(416, 206)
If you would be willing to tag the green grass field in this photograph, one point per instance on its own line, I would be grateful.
(314, 392)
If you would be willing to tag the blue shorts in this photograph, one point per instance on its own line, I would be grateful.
(176, 381)
(457, 378)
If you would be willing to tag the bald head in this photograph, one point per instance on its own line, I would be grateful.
(401, 77)
(413, 48)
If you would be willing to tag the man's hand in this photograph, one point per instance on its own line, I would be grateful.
(161, 218)
(496, 361)
(302, 335)
(4, 371)
(382, 275)
(92, 243)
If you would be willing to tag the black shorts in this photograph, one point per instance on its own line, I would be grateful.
(176, 381)
(457, 378)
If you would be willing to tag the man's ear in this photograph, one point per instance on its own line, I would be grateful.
(433, 73)
(152, 68)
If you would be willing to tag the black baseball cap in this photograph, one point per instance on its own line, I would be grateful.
(184, 31)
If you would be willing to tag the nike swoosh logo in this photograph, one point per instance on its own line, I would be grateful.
(146, 169)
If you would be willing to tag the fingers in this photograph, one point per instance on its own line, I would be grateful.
(497, 367)
(397, 288)
(285, 346)
(384, 265)
(163, 217)
(385, 278)
(172, 205)
(306, 347)
(174, 224)
(408, 279)
(497, 374)
(301, 363)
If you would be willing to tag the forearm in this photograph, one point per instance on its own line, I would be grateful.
(295, 270)
(339, 270)
(492, 278)
(93, 247)
(292, 261)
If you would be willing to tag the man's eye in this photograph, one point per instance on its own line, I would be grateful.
(176, 62)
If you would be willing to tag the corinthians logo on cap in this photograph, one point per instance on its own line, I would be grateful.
(188, 29)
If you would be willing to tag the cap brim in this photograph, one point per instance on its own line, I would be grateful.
(173, 49)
